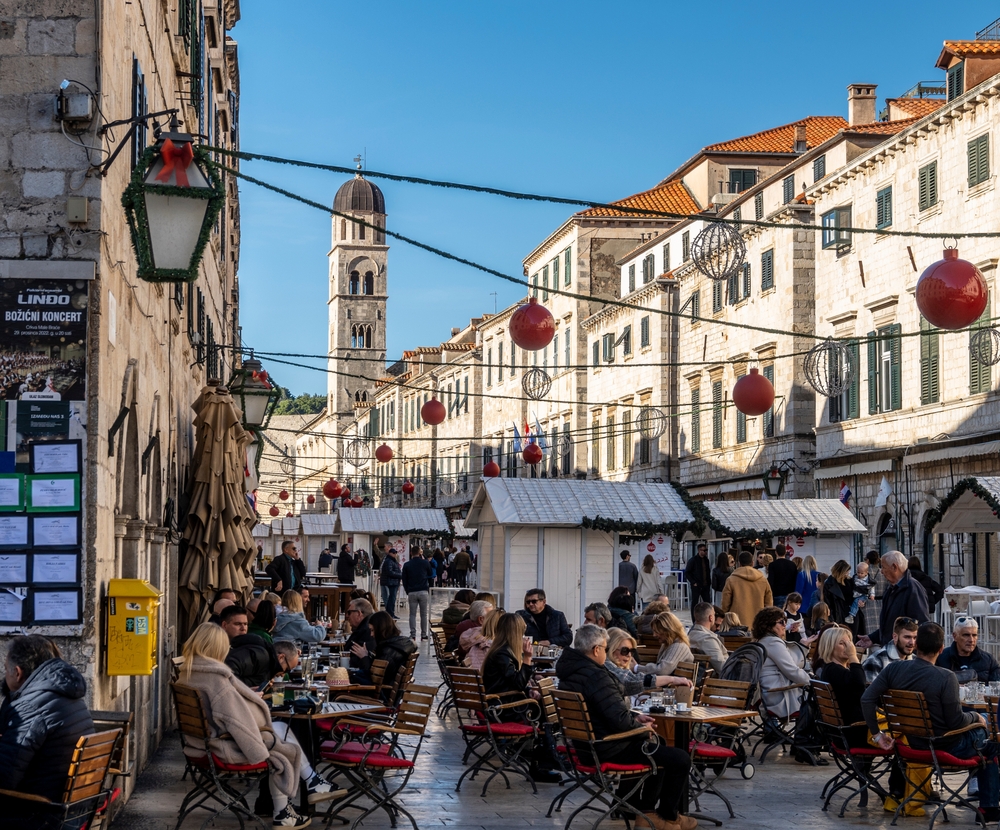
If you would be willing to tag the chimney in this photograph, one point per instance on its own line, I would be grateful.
(800, 138)
(861, 103)
(455, 331)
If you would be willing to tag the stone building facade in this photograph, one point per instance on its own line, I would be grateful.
(148, 348)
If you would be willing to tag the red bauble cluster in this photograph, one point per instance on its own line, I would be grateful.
(532, 454)
(274, 510)
(491, 469)
(332, 489)
(408, 488)
(310, 499)
(753, 394)
(384, 453)
(433, 412)
(345, 493)
(357, 501)
(532, 326)
(283, 495)
(289, 514)
(952, 292)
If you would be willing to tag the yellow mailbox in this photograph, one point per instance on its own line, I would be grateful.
(133, 629)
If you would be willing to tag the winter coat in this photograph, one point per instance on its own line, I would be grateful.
(708, 642)
(838, 597)
(40, 724)
(631, 682)
(345, 567)
(650, 584)
(475, 647)
(362, 635)
(935, 593)
(904, 599)
(252, 659)
(628, 575)
(668, 658)
(719, 577)
(781, 576)
(454, 613)
(550, 625)
(698, 571)
(625, 620)
(417, 575)
(260, 632)
(501, 674)
(783, 667)
(293, 625)
(747, 592)
(462, 562)
(391, 574)
(980, 665)
(805, 584)
(282, 569)
(238, 713)
(395, 651)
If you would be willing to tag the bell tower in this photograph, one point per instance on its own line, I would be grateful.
(358, 295)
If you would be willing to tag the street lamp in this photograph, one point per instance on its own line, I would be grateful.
(256, 395)
(171, 204)
(774, 481)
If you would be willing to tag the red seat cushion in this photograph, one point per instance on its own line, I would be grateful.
(376, 759)
(328, 748)
(863, 751)
(923, 756)
(504, 730)
(711, 750)
(224, 767)
(608, 767)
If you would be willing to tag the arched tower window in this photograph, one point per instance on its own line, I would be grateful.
(355, 287)
(354, 337)
(343, 229)
(369, 283)
(368, 337)
(361, 231)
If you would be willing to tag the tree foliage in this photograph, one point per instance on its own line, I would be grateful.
(304, 404)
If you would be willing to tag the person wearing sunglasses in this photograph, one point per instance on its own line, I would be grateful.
(544, 624)
(621, 662)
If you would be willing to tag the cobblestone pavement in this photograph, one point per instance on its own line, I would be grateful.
(781, 794)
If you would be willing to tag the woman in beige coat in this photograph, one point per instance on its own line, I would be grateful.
(241, 723)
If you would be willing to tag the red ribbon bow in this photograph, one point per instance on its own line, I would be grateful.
(176, 159)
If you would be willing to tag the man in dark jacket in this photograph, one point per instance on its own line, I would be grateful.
(965, 658)
(903, 598)
(935, 593)
(544, 624)
(417, 576)
(628, 573)
(460, 566)
(251, 657)
(698, 575)
(345, 565)
(287, 571)
(581, 669)
(358, 613)
(390, 575)
(325, 559)
(42, 717)
(781, 576)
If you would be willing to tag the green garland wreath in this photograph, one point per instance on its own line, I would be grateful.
(966, 484)
(138, 221)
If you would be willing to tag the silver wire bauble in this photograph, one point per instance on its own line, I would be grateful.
(829, 367)
(984, 344)
(651, 422)
(719, 251)
(536, 383)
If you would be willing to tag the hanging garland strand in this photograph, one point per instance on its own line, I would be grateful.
(637, 211)
(965, 485)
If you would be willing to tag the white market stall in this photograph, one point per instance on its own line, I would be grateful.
(822, 528)
(532, 534)
(318, 531)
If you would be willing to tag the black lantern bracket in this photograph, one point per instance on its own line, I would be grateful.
(133, 123)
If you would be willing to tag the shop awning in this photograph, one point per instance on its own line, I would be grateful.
(846, 470)
(773, 516)
(966, 451)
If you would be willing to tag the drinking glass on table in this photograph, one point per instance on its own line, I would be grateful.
(669, 697)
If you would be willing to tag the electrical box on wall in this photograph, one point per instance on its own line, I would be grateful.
(77, 106)
(76, 209)
(133, 627)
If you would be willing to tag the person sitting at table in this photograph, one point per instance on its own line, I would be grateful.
(644, 622)
(292, 624)
(359, 612)
(459, 607)
(543, 623)
(263, 622)
(965, 658)
(819, 617)
(783, 666)
(583, 669)
(838, 665)
(223, 599)
(674, 645)
(622, 664)
(702, 637)
(621, 604)
(732, 626)
(251, 658)
(479, 640)
(470, 628)
(243, 732)
(43, 715)
(390, 646)
(275, 600)
(597, 613)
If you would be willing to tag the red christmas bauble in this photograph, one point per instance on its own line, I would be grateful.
(310, 499)
(345, 502)
(491, 469)
(532, 454)
(357, 501)
(283, 495)
(433, 412)
(952, 292)
(384, 453)
(408, 488)
(345, 493)
(289, 514)
(651, 547)
(332, 489)
(753, 394)
(532, 326)
(274, 510)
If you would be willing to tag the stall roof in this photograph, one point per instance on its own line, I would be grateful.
(566, 502)
(398, 519)
(286, 526)
(319, 524)
(261, 530)
(970, 507)
(461, 531)
(821, 515)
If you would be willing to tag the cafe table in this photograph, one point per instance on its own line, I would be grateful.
(679, 723)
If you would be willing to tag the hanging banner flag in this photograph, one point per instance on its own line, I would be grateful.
(884, 491)
(845, 494)
(517, 439)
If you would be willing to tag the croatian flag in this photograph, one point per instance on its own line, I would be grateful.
(845, 494)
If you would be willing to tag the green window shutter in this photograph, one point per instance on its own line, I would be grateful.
(819, 168)
(685, 246)
(717, 414)
(895, 367)
(927, 186)
(980, 376)
(695, 420)
(883, 208)
(979, 161)
(716, 296)
(853, 410)
(631, 279)
(644, 332)
(741, 423)
(768, 372)
(545, 283)
(733, 288)
(597, 353)
(696, 304)
(872, 372)
(758, 206)
(666, 258)
(929, 382)
(956, 81)
(746, 280)
(567, 267)
(788, 189)
(767, 270)
(737, 216)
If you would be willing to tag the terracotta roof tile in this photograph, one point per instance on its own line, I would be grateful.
(918, 107)
(458, 347)
(672, 197)
(884, 127)
(781, 139)
(965, 48)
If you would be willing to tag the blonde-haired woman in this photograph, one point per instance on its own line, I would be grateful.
(807, 583)
(650, 584)
(480, 642)
(674, 645)
(292, 623)
(622, 664)
(242, 729)
(839, 666)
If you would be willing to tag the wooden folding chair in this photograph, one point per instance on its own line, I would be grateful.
(121, 764)
(84, 795)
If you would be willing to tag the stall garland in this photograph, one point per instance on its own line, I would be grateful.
(966, 484)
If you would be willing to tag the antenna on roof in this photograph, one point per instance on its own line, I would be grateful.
(493, 294)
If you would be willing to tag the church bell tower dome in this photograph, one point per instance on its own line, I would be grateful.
(358, 195)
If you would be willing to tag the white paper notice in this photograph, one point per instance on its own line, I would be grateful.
(56, 531)
(13, 567)
(53, 492)
(54, 567)
(14, 531)
(56, 458)
(10, 491)
(10, 607)
(57, 605)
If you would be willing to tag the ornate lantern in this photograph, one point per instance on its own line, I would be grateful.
(408, 488)
(532, 454)
(719, 251)
(332, 489)
(171, 204)
(532, 326)
(491, 469)
(774, 481)
(952, 292)
(384, 454)
(254, 393)
(753, 394)
(433, 412)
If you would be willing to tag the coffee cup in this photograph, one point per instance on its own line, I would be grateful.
(685, 696)
(681, 706)
(345, 661)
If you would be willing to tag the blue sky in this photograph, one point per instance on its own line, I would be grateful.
(583, 99)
